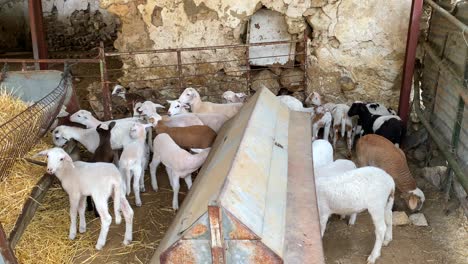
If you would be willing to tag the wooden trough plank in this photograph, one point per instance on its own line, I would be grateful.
(303, 240)
(6, 253)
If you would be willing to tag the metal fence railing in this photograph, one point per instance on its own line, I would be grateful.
(444, 91)
(19, 134)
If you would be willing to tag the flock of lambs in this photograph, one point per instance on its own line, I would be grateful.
(182, 143)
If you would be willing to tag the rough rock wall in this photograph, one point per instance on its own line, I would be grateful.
(356, 50)
(78, 24)
(14, 29)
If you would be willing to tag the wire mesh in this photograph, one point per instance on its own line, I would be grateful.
(19, 134)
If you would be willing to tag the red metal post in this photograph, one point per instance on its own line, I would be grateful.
(410, 57)
(38, 39)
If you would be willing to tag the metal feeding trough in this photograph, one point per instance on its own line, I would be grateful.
(254, 199)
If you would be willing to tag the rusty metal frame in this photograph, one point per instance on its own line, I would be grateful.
(240, 76)
(410, 58)
(106, 102)
(39, 43)
(217, 239)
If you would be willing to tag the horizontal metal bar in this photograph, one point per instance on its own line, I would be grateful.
(202, 48)
(49, 60)
(448, 16)
(444, 65)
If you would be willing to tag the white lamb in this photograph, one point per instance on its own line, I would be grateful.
(98, 180)
(147, 108)
(191, 97)
(232, 97)
(366, 188)
(119, 135)
(133, 159)
(321, 119)
(294, 104)
(335, 168)
(179, 164)
(322, 153)
(176, 107)
(89, 137)
(179, 117)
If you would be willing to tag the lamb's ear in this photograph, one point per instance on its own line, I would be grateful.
(170, 101)
(413, 202)
(241, 95)
(42, 153)
(186, 106)
(111, 125)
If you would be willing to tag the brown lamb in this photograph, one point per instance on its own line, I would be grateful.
(188, 137)
(375, 150)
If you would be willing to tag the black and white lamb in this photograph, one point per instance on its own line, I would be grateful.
(388, 126)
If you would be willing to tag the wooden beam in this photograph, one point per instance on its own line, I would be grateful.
(30, 207)
(5, 250)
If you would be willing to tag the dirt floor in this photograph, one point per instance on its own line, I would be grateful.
(445, 240)
(151, 221)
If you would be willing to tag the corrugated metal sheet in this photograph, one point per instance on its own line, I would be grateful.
(439, 85)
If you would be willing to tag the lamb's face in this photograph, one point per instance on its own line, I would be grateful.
(356, 108)
(176, 108)
(188, 95)
(229, 96)
(81, 117)
(58, 137)
(316, 99)
(153, 120)
(149, 108)
(119, 90)
(414, 199)
(55, 159)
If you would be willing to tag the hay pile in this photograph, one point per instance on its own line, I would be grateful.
(45, 239)
(10, 105)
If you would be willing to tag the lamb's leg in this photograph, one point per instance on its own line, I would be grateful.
(153, 167)
(352, 219)
(323, 222)
(378, 217)
(326, 131)
(74, 202)
(81, 213)
(142, 178)
(388, 221)
(175, 184)
(128, 179)
(116, 158)
(128, 215)
(106, 219)
(314, 131)
(188, 180)
(335, 135)
(136, 184)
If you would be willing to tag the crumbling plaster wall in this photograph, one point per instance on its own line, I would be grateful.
(356, 50)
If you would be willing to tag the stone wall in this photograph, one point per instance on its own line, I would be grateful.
(70, 25)
(78, 25)
(14, 29)
(356, 48)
